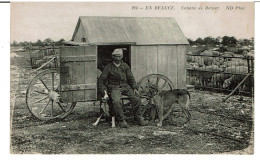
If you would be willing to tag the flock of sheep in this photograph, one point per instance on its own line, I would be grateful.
(223, 70)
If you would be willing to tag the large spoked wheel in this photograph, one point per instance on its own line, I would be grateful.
(147, 86)
(43, 99)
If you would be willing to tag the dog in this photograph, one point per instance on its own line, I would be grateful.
(104, 111)
(168, 98)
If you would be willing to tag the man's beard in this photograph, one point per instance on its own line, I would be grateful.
(117, 61)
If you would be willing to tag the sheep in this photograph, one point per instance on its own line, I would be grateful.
(235, 63)
(218, 79)
(192, 80)
(207, 60)
(198, 60)
(249, 54)
(38, 62)
(236, 69)
(215, 53)
(218, 61)
(214, 68)
(202, 75)
(234, 80)
(227, 56)
(188, 57)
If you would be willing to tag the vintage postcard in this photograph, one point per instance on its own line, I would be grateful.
(132, 78)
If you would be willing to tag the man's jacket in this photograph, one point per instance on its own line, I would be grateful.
(113, 76)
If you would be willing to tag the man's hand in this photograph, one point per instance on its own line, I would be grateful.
(136, 92)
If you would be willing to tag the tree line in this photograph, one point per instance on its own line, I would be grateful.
(46, 42)
(225, 41)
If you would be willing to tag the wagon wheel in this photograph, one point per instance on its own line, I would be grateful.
(43, 99)
(145, 85)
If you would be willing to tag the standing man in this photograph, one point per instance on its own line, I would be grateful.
(120, 81)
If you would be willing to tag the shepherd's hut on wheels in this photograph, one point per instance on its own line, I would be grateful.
(154, 48)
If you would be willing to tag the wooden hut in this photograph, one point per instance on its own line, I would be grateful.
(152, 44)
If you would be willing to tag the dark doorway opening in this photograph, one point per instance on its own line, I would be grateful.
(105, 55)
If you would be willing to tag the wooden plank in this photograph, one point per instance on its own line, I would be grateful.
(78, 95)
(182, 49)
(78, 87)
(66, 96)
(78, 72)
(90, 50)
(133, 62)
(141, 61)
(162, 66)
(78, 58)
(151, 55)
(90, 72)
(144, 61)
(172, 64)
(72, 51)
(77, 68)
(90, 95)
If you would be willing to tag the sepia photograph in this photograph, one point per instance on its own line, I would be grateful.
(132, 78)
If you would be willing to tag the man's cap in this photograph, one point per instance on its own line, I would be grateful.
(118, 51)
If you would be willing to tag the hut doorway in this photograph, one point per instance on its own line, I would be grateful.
(104, 55)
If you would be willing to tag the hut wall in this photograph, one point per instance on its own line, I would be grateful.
(168, 60)
(81, 33)
(143, 61)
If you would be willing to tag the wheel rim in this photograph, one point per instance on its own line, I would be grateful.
(43, 97)
(157, 81)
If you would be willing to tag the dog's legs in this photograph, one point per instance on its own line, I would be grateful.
(160, 113)
(153, 113)
(168, 112)
(184, 105)
(113, 122)
(98, 119)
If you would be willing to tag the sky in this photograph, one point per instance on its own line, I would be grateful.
(31, 21)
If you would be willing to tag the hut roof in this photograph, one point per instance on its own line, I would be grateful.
(136, 30)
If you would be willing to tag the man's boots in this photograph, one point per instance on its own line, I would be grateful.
(141, 121)
(122, 124)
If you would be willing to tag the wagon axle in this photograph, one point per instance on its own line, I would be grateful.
(54, 96)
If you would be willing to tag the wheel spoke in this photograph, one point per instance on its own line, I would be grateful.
(40, 100)
(51, 108)
(58, 88)
(161, 88)
(145, 108)
(52, 78)
(45, 107)
(44, 84)
(61, 107)
(157, 81)
(41, 92)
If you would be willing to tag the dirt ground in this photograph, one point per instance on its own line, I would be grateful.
(216, 127)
